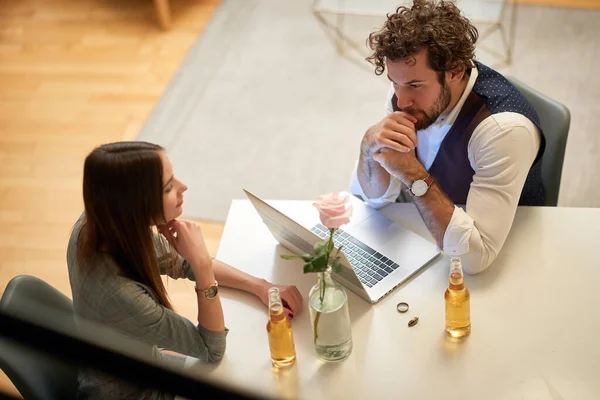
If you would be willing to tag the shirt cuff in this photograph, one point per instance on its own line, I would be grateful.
(390, 196)
(458, 233)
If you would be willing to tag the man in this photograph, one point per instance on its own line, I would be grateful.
(456, 133)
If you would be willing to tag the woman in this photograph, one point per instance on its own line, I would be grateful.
(128, 236)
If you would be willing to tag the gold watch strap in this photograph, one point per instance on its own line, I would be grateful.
(204, 291)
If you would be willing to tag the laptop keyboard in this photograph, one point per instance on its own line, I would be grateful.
(370, 265)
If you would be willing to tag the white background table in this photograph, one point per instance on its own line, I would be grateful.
(534, 313)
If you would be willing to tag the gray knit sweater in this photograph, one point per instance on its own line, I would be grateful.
(102, 295)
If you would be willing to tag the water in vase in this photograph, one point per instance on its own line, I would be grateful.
(333, 334)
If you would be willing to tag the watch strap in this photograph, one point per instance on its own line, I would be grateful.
(428, 180)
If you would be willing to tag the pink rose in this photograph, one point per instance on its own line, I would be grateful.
(335, 209)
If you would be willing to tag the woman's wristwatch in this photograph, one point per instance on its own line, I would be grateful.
(210, 293)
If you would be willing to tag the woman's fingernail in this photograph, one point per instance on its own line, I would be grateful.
(290, 316)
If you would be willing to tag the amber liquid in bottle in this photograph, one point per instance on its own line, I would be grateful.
(458, 302)
(279, 329)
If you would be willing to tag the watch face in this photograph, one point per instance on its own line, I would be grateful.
(212, 291)
(419, 187)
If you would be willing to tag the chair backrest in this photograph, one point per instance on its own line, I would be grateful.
(36, 375)
(555, 119)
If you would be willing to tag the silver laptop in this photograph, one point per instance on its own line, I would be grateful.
(378, 255)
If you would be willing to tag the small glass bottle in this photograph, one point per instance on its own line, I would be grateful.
(279, 329)
(458, 302)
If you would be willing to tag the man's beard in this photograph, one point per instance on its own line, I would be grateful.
(425, 119)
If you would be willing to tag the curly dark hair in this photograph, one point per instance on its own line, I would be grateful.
(437, 26)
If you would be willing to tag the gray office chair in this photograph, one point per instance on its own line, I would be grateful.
(36, 375)
(555, 119)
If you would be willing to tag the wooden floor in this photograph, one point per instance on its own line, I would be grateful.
(75, 74)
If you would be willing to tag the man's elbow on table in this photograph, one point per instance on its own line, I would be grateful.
(463, 239)
(476, 261)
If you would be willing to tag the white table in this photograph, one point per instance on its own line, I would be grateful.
(534, 315)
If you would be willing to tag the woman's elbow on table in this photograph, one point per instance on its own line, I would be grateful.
(214, 355)
(212, 345)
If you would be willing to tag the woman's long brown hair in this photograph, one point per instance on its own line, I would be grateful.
(123, 194)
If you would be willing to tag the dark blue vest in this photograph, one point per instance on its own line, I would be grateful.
(492, 94)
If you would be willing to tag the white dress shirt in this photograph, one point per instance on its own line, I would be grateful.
(501, 151)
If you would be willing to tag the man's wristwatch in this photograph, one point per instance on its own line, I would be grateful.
(209, 293)
(421, 186)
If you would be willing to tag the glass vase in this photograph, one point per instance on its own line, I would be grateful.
(330, 319)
